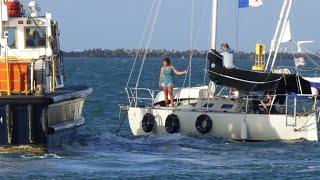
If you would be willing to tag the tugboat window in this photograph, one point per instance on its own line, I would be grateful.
(35, 37)
(11, 37)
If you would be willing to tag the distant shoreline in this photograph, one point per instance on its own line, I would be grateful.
(156, 53)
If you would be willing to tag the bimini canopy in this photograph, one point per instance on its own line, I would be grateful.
(255, 81)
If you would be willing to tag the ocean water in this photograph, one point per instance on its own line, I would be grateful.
(99, 153)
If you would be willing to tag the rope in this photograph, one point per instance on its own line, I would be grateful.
(121, 120)
(141, 41)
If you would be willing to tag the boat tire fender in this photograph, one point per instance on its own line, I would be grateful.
(148, 123)
(172, 124)
(204, 124)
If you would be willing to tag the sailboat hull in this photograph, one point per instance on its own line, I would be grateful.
(235, 126)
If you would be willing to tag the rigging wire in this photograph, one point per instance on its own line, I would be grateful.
(148, 43)
(191, 43)
(314, 54)
(141, 41)
(194, 44)
(206, 68)
(237, 18)
(191, 52)
(307, 52)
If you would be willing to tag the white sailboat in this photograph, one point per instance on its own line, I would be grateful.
(202, 110)
(283, 35)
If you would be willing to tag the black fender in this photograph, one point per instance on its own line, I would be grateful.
(204, 124)
(148, 122)
(172, 124)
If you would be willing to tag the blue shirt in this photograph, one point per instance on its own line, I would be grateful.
(167, 74)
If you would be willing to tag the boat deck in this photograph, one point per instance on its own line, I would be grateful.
(69, 93)
(62, 94)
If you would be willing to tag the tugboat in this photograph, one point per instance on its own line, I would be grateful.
(262, 106)
(36, 108)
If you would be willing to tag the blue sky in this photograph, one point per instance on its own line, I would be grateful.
(119, 23)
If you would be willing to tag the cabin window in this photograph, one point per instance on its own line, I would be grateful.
(227, 106)
(210, 105)
(12, 37)
(35, 37)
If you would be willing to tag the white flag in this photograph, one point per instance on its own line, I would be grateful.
(255, 3)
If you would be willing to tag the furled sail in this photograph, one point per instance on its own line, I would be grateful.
(254, 81)
(287, 34)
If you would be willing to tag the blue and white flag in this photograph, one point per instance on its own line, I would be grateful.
(250, 3)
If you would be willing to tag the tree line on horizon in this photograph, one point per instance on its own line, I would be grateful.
(156, 53)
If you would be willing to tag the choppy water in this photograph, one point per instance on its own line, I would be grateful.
(98, 153)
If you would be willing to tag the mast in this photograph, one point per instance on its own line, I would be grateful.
(283, 30)
(214, 24)
(273, 42)
(276, 41)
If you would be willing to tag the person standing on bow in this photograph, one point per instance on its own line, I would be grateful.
(166, 80)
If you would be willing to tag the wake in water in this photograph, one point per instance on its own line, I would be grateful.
(130, 143)
(175, 143)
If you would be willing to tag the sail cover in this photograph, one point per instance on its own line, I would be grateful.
(255, 81)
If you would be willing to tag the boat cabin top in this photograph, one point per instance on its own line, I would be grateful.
(31, 37)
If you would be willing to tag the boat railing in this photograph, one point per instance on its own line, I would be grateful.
(309, 72)
(305, 71)
(141, 96)
(291, 105)
(25, 70)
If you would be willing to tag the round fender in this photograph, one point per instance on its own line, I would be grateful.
(172, 124)
(148, 122)
(204, 124)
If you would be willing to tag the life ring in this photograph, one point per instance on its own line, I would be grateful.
(148, 122)
(172, 124)
(204, 124)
